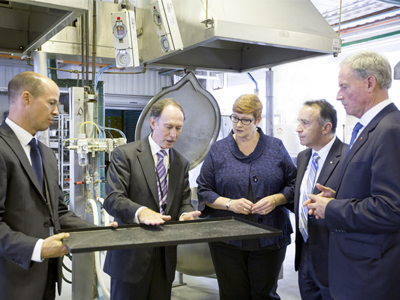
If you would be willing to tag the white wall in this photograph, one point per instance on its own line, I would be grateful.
(310, 79)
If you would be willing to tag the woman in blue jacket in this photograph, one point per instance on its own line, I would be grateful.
(248, 175)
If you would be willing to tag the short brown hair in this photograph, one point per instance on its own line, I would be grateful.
(248, 104)
(25, 81)
(158, 107)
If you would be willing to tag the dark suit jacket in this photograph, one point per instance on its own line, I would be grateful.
(318, 232)
(364, 245)
(24, 218)
(131, 183)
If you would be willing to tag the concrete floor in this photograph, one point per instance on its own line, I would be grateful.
(204, 288)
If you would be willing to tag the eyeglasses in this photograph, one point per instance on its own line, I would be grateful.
(244, 121)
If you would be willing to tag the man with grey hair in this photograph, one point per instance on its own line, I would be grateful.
(148, 182)
(363, 214)
(319, 164)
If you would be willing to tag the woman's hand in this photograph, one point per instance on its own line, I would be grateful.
(241, 206)
(264, 206)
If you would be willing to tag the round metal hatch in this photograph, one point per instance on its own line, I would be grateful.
(203, 118)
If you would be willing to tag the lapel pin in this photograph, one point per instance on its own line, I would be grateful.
(331, 162)
(360, 138)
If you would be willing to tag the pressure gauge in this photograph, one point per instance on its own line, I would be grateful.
(120, 30)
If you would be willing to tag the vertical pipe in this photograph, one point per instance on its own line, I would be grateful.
(101, 122)
(83, 47)
(52, 74)
(269, 107)
(40, 66)
(94, 43)
(40, 62)
(87, 47)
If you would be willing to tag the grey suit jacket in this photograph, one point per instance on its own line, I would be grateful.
(364, 221)
(131, 183)
(25, 217)
(317, 230)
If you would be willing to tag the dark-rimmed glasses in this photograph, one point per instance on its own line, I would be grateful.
(244, 121)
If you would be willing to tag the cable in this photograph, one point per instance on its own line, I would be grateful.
(99, 73)
(115, 129)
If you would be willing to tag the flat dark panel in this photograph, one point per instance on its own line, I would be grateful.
(171, 233)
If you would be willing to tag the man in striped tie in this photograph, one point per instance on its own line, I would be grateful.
(319, 164)
(148, 183)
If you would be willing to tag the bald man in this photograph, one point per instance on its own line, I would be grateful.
(31, 201)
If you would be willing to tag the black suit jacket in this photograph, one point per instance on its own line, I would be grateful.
(131, 183)
(318, 232)
(364, 246)
(24, 218)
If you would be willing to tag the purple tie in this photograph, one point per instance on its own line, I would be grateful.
(162, 181)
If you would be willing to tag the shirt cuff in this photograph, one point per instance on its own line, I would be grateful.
(182, 215)
(37, 251)
(136, 219)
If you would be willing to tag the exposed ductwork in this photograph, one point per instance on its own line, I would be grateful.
(238, 36)
(26, 24)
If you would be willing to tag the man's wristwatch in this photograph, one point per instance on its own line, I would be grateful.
(228, 204)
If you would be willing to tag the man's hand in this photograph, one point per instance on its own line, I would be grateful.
(53, 246)
(316, 205)
(150, 217)
(113, 224)
(190, 216)
(326, 191)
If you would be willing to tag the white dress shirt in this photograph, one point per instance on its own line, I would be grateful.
(370, 114)
(323, 154)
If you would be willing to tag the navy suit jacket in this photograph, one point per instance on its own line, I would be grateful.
(318, 232)
(131, 184)
(24, 218)
(364, 245)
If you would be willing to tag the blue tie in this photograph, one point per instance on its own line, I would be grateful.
(36, 161)
(303, 211)
(356, 129)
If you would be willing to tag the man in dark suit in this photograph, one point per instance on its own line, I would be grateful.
(31, 205)
(363, 216)
(316, 130)
(141, 190)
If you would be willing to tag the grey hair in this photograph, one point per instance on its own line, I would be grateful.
(370, 63)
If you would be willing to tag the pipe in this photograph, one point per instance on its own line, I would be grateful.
(269, 107)
(104, 289)
(87, 47)
(83, 48)
(94, 44)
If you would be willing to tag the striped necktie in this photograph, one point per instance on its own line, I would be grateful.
(303, 211)
(162, 181)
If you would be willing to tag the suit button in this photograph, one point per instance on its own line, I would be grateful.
(46, 224)
(255, 178)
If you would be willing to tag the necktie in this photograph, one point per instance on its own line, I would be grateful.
(162, 181)
(303, 211)
(356, 129)
(36, 161)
